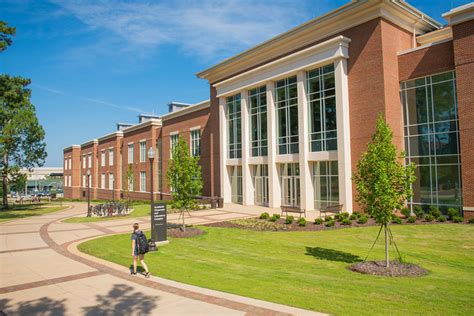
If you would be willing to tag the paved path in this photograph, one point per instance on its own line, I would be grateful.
(41, 272)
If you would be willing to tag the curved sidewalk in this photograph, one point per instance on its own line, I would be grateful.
(41, 271)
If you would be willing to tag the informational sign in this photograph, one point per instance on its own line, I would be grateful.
(158, 222)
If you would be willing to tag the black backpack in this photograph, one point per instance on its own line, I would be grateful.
(142, 243)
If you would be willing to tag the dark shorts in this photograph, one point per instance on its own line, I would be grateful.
(135, 252)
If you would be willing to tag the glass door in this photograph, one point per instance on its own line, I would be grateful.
(290, 182)
(260, 175)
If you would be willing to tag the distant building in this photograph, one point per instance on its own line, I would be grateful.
(43, 179)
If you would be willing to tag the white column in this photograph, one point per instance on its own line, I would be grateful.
(225, 180)
(247, 183)
(306, 185)
(274, 187)
(343, 134)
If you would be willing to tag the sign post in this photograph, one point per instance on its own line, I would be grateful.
(158, 223)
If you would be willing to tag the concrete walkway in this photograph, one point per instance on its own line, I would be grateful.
(41, 272)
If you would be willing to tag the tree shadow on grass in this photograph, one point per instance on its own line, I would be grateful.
(122, 299)
(41, 306)
(332, 255)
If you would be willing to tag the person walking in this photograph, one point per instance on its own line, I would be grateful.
(139, 248)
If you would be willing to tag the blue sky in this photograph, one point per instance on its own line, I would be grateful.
(96, 63)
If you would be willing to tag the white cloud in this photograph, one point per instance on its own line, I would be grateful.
(209, 29)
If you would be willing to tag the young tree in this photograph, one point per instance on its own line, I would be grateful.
(382, 180)
(184, 178)
(6, 32)
(18, 182)
(21, 136)
(129, 181)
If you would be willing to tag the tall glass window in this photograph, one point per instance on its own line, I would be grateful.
(130, 153)
(102, 181)
(142, 181)
(102, 158)
(432, 139)
(111, 181)
(258, 121)
(196, 142)
(286, 102)
(325, 183)
(322, 108)
(236, 184)
(159, 161)
(234, 125)
(143, 151)
(173, 142)
(111, 157)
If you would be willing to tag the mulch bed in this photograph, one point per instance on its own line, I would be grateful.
(257, 224)
(396, 269)
(190, 232)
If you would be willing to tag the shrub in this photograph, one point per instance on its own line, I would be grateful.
(264, 215)
(274, 218)
(346, 221)
(318, 221)
(458, 219)
(353, 217)
(358, 214)
(406, 212)
(301, 221)
(429, 218)
(442, 219)
(289, 219)
(363, 219)
(471, 221)
(338, 217)
(328, 219)
(396, 220)
(330, 223)
(411, 219)
(434, 211)
(345, 215)
(276, 215)
(419, 213)
(452, 213)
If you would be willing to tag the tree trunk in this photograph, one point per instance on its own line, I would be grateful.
(387, 261)
(184, 225)
(5, 181)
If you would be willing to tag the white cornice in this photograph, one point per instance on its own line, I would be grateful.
(91, 142)
(71, 147)
(343, 18)
(114, 134)
(460, 14)
(151, 122)
(190, 109)
(306, 59)
(446, 33)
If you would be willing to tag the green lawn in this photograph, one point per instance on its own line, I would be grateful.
(138, 211)
(308, 269)
(21, 211)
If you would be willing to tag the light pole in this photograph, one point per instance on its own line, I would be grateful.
(151, 157)
(88, 191)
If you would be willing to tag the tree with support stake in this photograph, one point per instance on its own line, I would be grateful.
(383, 182)
(184, 179)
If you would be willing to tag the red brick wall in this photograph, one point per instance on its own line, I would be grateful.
(463, 44)
(182, 125)
(72, 191)
(149, 134)
(426, 61)
(114, 142)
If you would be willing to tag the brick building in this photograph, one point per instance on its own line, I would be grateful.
(288, 119)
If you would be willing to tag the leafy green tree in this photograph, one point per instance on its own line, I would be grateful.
(18, 182)
(383, 182)
(21, 136)
(184, 178)
(129, 181)
(6, 32)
